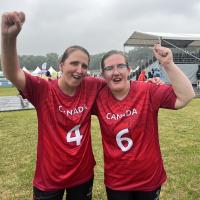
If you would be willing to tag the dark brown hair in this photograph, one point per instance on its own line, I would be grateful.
(110, 53)
(71, 49)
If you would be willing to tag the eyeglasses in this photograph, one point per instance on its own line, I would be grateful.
(120, 68)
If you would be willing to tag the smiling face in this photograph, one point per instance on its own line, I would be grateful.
(73, 68)
(115, 72)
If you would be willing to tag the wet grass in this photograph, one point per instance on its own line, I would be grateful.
(179, 140)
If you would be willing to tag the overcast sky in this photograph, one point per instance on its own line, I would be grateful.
(98, 25)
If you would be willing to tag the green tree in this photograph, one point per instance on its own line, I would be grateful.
(95, 61)
(52, 59)
(31, 62)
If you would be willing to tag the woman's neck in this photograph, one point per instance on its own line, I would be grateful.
(121, 94)
(66, 89)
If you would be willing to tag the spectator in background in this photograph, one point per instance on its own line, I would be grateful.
(137, 73)
(152, 71)
(48, 74)
(156, 72)
(198, 77)
(142, 76)
(150, 75)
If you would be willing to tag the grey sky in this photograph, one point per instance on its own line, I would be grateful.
(98, 25)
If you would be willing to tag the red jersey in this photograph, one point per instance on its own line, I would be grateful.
(64, 152)
(132, 157)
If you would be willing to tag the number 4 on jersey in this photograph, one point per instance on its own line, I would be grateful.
(77, 138)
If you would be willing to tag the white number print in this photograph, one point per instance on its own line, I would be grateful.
(120, 139)
(77, 138)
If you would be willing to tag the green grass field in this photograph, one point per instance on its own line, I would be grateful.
(179, 139)
(8, 91)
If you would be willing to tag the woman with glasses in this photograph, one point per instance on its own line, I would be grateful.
(128, 112)
(64, 154)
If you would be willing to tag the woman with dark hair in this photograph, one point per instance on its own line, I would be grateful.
(65, 159)
(128, 116)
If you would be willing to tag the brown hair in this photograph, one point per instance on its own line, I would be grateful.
(71, 49)
(110, 53)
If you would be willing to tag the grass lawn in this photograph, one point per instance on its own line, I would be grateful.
(179, 139)
(8, 91)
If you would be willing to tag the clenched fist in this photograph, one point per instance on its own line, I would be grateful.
(11, 23)
(163, 55)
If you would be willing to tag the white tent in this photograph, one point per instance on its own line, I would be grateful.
(36, 71)
(52, 70)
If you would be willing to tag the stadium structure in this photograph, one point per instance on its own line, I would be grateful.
(185, 49)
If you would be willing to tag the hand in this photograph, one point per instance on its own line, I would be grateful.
(155, 80)
(163, 55)
(11, 23)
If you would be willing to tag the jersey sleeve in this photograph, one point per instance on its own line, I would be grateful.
(100, 85)
(35, 89)
(162, 96)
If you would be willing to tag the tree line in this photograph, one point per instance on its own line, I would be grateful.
(136, 57)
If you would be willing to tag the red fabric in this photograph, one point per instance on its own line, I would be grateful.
(61, 163)
(142, 76)
(141, 166)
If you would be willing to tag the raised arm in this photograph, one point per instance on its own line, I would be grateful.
(180, 83)
(11, 25)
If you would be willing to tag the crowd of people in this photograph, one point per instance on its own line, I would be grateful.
(142, 75)
(127, 111)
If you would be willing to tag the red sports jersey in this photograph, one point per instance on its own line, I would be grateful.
(64, 151)
(130, 136)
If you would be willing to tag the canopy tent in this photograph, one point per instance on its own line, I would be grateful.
(36, 71)
(148, 39)
(42, 72)
(52, 70)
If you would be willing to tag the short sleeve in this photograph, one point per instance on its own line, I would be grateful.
(100, 83)
(162, 96)
(35, 89)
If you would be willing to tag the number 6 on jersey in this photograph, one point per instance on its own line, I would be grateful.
(119, 140)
